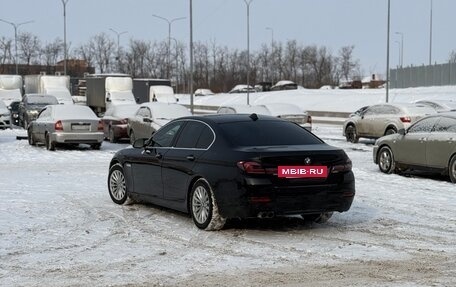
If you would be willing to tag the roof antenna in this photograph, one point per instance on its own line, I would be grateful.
(254, 116)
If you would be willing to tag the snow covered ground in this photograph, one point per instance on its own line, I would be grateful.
(58, 227)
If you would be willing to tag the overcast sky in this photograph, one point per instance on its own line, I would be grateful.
(332, 23)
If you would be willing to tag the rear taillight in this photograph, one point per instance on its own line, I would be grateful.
(58, 126)
(252, 167)
(309, 119)
(406, 119)
(347, 166)
(100, 126)
(124, 121)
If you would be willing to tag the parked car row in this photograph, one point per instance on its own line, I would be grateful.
(409, 137)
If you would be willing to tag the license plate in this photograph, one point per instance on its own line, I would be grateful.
(302, 171)
(82, 127)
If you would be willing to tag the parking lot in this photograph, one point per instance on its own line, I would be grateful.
(58, 227)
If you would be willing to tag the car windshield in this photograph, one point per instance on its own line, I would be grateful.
(267, 133)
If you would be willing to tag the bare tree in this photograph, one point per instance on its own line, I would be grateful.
(51, 52)
(5, 50)
(347, 65)
(103, 48)
(30, 47)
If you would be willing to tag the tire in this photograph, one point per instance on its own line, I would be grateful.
(390, 131)
(452, 169)
(318, 218)
(112, 138)
(30, 138)
(351, 134)
(132, 137)
(203, 207)
(96, 146)
(50, 145)
(117, 186)
(385, 160)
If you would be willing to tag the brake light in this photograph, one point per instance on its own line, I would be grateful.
(406, 119)
(124, 121)
(347, 166)
(100, 125)
(252, 167)
(58, 126)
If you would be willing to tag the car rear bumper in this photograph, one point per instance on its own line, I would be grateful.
(255, 200)
(89, 138)
(120, 131)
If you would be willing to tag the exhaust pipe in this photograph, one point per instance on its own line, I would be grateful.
(265, 214)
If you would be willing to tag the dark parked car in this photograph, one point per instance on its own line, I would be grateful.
(14, 109)
(218, 167)
(428, 145)
(31, 105)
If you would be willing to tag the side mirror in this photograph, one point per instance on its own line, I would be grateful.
(401, 132)
(139, 143)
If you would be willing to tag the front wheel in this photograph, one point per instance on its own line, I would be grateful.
(452, 169)
(351, 135)
(390, 131)
(117, 186)
(203, 207)
(386, 162)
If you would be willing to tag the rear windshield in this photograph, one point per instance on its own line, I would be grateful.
(267, 133)
(42, 100)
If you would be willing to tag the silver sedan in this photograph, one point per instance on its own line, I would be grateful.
(66, 124)
(429, 144)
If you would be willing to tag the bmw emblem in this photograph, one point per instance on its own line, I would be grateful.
(307, 160)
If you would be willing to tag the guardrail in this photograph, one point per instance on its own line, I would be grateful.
(317, 116)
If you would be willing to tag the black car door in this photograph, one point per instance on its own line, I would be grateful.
(179, 162)
(147, 174)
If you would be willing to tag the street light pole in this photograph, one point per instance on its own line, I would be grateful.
(388, 51)
(191, 58)
(402, 49)
(15, 26)
(430, 37)
(118, 42)
(64, 2)
(247, 3)
(169, 36)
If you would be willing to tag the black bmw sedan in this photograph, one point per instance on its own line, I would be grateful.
(218, 167)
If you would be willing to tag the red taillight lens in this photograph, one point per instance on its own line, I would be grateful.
(252, 167)
(309, 120)
(406, 119)
(342, 167)
(100, 126)
(58, 126)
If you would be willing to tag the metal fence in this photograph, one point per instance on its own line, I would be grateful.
(423, 76)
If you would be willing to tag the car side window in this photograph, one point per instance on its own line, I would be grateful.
(446, 125)
(164, 137)
(206, 138)
(371, 111)
(189, 135)
(142, 112)
(423, 126)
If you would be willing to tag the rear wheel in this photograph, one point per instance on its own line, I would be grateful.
(50, 145)
(203, 207)
(30, 138)
(390, 131)
(386, 162)
(318, 218)
(351, 134)
(452, 169)
(132, 137)
(96, 146)
(112, 138)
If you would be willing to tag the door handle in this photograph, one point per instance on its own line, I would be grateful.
(190, 157)
(158, 156)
